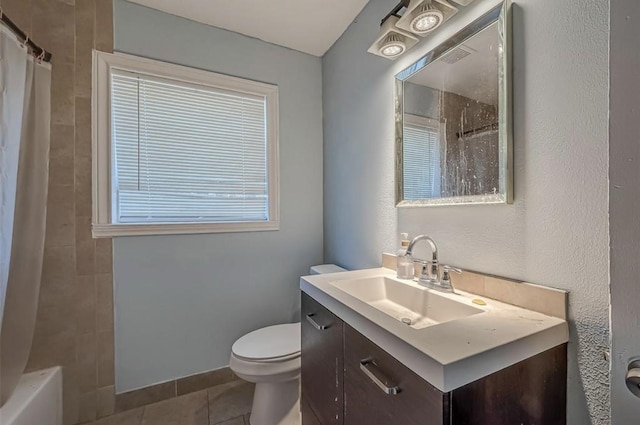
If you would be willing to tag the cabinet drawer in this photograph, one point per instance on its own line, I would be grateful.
(322, 362)
(379, 390)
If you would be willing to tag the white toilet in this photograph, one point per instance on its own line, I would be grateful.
(270, 357)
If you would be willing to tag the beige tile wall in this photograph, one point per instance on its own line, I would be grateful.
(543, 299)
(75, 315)
(171, 389)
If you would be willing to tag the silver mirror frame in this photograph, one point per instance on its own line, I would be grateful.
(502, 15)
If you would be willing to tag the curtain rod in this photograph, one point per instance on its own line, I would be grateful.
(36, 50)
(484, 128)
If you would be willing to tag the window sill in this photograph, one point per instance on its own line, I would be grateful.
(115, 230)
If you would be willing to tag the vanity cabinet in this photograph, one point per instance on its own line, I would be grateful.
(322, 365)
(349, 380)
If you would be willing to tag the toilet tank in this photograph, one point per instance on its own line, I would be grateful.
(326, 268)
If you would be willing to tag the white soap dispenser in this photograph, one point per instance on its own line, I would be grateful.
(404, 262)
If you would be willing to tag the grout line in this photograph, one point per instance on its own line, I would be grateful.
(209, 420)
(208, 407)
(144, 411)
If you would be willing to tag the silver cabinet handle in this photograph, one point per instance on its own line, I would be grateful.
(367, 367)
(633, 378)
(315, 324)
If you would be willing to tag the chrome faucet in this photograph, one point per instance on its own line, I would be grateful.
(430, 271)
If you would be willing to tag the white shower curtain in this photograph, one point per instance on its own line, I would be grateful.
(25, 90)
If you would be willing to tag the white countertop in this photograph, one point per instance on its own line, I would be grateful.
(451, 354)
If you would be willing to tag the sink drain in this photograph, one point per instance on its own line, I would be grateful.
(406, 321)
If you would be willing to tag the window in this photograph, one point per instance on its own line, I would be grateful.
(421, 158)
(180, 150)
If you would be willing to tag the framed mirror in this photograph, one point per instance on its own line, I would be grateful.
(454, 142)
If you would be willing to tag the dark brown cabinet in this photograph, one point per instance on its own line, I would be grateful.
(322, 364)
(348, 380)
(308, 417)
(378, 389)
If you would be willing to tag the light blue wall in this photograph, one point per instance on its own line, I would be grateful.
(181, 301)
(556, 232)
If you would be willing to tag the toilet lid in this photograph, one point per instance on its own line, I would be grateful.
(269, 343)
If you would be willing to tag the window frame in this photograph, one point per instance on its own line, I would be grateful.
(102, 160)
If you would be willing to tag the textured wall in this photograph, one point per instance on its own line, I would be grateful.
(181, 301)
(556, 232)
(75, 318)
(624, 150)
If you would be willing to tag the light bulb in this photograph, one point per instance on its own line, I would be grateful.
(393, 45)
(426, 23)
(392, 50)
(426, 18)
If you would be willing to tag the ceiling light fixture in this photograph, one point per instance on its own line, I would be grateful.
(408, 20)
(426, 18)
(392, 42)
(393, 45)
(422, 17)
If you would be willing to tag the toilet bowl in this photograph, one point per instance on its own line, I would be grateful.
(270, 358)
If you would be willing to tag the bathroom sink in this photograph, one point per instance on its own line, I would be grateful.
(407, 301)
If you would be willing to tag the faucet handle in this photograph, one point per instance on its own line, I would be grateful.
(451, 269)
(446, 273)
(445, 281)
(424, 266)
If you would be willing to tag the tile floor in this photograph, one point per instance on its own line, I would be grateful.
(227, 404)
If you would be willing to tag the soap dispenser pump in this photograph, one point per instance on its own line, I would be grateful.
(404, 262)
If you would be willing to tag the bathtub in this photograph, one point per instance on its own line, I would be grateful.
(36, 400)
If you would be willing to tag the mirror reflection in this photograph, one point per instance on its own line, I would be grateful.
(451, 146)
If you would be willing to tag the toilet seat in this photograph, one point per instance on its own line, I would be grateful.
(276, 343)
(273, 371)
(273, 360)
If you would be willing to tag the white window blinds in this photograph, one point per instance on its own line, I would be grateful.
(421, 162)
(186, 153)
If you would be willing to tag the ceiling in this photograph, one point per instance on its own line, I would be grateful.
(474, 76)
(310, 26)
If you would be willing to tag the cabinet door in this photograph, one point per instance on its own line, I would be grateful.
(322, 362)
(379, 390)
(308, 417)
(533, 391)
